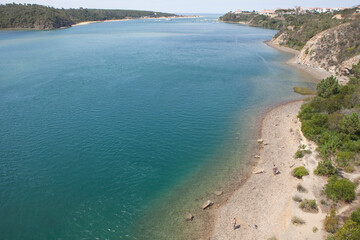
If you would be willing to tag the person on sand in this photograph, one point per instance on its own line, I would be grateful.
(234, 223)
(275, 169)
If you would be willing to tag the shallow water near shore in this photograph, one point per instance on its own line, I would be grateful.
(115, 130)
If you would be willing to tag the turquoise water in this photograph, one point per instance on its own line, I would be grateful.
(106, 126)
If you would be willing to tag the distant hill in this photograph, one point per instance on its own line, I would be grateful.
(35, 16)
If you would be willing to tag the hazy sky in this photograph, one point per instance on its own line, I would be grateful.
(189, 6)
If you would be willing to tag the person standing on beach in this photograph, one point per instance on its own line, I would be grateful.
(275, 169)
(234, 223)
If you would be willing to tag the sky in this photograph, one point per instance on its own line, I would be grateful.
(190, 6)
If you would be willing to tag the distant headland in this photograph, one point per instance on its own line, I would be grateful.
(33, 16)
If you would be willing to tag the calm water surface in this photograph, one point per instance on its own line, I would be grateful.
(115, 130)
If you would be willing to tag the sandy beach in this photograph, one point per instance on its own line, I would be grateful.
(265, 200)
(127, 19)
(90, 22)
(263, 206)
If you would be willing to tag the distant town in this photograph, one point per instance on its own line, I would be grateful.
(294, 11)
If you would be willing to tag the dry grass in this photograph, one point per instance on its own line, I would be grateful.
(297, 221)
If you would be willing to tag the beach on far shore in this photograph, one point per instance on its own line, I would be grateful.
(127, 19)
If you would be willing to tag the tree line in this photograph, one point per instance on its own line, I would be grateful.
(43, 17)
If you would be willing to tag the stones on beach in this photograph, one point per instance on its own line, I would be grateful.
(207, 204)
(218, 193)
(260, 140)
(189, 216)
(258, 170)
(256, 156)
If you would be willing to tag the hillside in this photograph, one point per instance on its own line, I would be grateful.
(41, 17)
(334, 50)
(253, 19)
(325, 40)
(294, 30)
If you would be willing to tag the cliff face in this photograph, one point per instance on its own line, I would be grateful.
(334, 50)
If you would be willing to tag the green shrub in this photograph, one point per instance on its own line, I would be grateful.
(297, 220)
(299, 172)
(325, 168)
(349, 169)
(353, 146)
(328, 87)
(344, 158)
(355, 215)
(342, 189)
(350, 231)
(330, 237)
(350, 126)
(331, 222)
(323, 202)
(329, 142)
(307, 151)
(300, 188)
(309, 205)
(334, 120)
(299, 154)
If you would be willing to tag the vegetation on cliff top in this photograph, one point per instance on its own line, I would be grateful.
(254, 19)
(42, 17)
(295, 29)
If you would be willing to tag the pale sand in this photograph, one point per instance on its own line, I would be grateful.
(127, 19)
(90, 22)
(265, 200)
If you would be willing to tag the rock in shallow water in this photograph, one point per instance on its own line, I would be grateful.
(218, 193)
(207, 204)
(258, 170)
(189, 217)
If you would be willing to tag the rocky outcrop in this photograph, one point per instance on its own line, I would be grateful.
(218, 193)
(334, 50)
(258, 170)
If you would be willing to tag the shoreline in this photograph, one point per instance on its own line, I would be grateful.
(128, 19)
(264, 194)
(265, 200)
(315, 73)
(102, 21)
